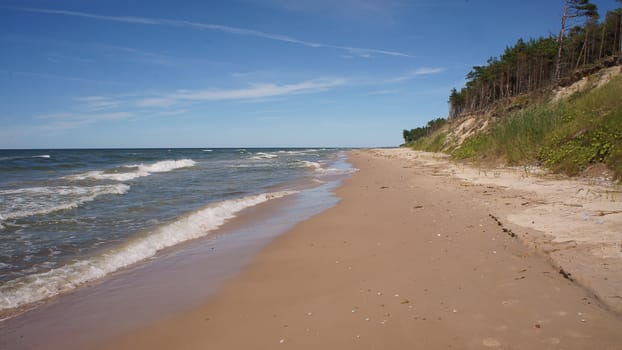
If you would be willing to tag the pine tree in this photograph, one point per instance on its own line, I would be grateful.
(572, 9)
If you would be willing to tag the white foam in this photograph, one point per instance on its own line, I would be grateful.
(313, 165)
(300, 152)
(29, 201)
(263, 155)
(47, 156)
(36, 287)
(130, 172)
(335, 171)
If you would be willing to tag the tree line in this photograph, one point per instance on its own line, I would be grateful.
(534, 64)
(415, 134)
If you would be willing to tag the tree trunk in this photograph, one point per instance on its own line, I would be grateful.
(560, 41)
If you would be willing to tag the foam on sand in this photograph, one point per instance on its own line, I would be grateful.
(37, 287)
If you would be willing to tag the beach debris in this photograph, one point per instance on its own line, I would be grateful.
(537, 325)
(454, 311)
(405, 301)
(358, 336)
(281, 341)
(367, 318)
(309, 314)
(565, 274)
(384, 187)
(383, 321)
(505, 229)
(418, 206)
(396, 295)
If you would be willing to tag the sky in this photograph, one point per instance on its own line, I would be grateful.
(244, 73)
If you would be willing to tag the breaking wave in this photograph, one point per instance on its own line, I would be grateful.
(36, 287)
(25, 202)
(130, 172)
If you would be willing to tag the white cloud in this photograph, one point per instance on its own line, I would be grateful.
(428, 70)
(94, 103)
(359, 51)
(384, 92)
(259, 91)
(417, 73)
(156, 102)
(64, 121)
(56, 77)
(175, 112)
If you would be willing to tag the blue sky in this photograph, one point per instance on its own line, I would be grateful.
(244, 73)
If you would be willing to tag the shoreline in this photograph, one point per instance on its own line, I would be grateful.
(123, 301)
(405, 259)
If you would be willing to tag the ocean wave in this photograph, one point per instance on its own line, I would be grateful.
(130, 172)
(336, 171)
(320, 170)
(312, 165)
(312, 152)
(30, 201)
(36, 287)
(44, 156)
(263, 155)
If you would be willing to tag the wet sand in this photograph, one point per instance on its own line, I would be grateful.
(408, 259)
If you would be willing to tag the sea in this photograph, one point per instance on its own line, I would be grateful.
(72, 217)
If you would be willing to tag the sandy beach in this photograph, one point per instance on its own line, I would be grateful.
(414, 256)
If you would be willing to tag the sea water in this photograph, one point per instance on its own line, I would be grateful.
(68, 217)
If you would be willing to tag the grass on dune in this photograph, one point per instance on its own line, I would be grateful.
(566, 137)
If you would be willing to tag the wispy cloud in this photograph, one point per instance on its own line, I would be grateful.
(58, 58)
(428, 70)
(139, 55)
(174, 112)
(65, 121)
(417, 73)
(156, 102)
(95, 103)
(380, 11)
(358, 51)
(57, 77)
(259, 91)
(384, 92)
(89, 110)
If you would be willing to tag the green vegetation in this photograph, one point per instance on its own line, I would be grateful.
(511, 90)
(412, 135)
(565, 137)
(535, 65)
(432, 143)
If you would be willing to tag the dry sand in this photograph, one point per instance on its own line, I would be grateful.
(410, 258)
(575, 222)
